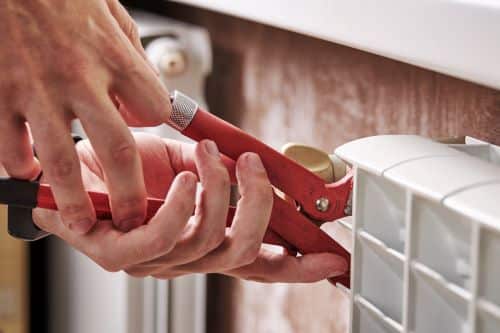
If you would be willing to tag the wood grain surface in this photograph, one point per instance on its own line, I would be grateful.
(14, 291)
(282, 87)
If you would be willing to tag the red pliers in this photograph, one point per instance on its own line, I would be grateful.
(290, 225)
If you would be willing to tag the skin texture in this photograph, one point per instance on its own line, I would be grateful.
(62, 60)
(176, 241)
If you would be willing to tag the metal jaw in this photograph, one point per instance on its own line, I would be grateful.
(183, 110)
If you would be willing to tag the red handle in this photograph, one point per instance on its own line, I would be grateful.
(100, 201)
(287, 175)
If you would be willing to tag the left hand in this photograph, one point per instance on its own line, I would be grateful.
(168, 247)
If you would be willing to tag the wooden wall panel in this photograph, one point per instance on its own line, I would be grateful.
(14, 291)
(281, 87)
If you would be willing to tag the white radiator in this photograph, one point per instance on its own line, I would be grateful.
(426, 235)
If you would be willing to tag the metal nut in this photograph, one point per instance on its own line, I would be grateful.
(322, 204)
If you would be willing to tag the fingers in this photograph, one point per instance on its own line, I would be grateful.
(274, 267)
(243, 242)
(143, 98)
(50, 220)
(109, 59)
(254, 208)
(61, 166)
(129, 28)
(16, 153)
(181, 156)
(213, 203)
(160, 235)
(207, 231)
(117, 153)
(114, 250)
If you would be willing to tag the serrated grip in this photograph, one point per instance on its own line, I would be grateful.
(183, 111)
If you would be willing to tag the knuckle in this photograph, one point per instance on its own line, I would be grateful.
(140, 275)
(78, 65)
(126, 67)
(73, 211)
(110, 266)
(16, 74)
(60, 168)
(136, 273)
(124, 153)
(132, 205)
(132, 30)
(13, 92)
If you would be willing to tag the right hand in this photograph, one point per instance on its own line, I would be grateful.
(61, 60)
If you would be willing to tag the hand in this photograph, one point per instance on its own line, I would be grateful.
(176, 242)
(83, 59)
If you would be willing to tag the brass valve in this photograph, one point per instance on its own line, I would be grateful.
(329, 168)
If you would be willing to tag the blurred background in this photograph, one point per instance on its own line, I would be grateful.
(281, 86)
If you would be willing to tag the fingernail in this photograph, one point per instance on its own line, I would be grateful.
(254, 162)
(81, 226)
(211, 148)
(129, 224)
(188, 181)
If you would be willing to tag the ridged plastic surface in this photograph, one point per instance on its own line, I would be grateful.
(426, 231)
